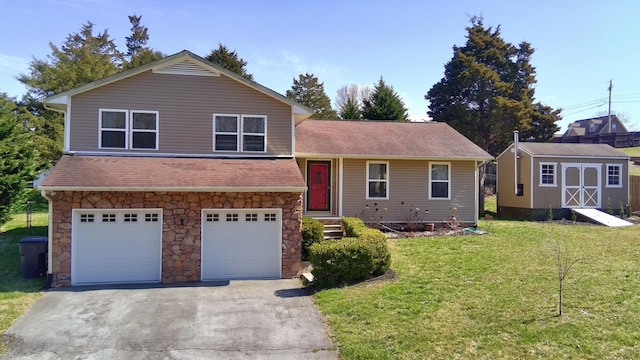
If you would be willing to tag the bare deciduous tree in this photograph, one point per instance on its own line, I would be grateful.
(355, 93)
(564, 264)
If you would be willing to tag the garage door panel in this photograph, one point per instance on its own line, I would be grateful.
(116, 246)
(241, 244)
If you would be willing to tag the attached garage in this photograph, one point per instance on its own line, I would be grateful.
(241, 244)
(116, 246)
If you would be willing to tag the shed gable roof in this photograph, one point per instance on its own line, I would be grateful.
(571, 150)
(384, 139)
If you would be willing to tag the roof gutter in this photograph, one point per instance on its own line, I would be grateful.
(176, 189)
(396, 157)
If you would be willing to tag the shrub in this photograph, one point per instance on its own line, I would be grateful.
(312, 232)
(353, 226)
(362, 256)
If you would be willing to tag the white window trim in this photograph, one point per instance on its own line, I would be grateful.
(132, 130)
(448, 180)
(240, 133)
(386, 163)
(236, 133)
(620, 185)
(264, 135)
(555, 174)
(125, 130)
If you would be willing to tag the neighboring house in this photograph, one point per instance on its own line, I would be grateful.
(182, 171)
(353, 168)
(595, 126)
(534, 178)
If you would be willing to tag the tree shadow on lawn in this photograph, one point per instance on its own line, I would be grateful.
(10, 264)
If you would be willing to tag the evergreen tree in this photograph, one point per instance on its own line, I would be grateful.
(137, 52)
(82, 58)
(17, 157)
(349, 101)
(487, 92)
(350, 110)
(309, 91)
(229, 60)
(384, 104)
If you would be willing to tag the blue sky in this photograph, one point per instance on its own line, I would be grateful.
(580, 45)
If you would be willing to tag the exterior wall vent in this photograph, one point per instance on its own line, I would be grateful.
(186, 67)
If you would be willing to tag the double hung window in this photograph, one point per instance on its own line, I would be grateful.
(235, 132)
(439, 181)
(377, 180)
(128, 129)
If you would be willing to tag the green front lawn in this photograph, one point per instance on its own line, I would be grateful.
(495, 296)
(17, 294)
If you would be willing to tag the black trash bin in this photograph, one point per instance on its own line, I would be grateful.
(33, 256)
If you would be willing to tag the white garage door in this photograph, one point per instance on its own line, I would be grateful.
(116, 246)
(241, 244)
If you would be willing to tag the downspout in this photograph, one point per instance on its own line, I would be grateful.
(47, 196)
(515, 160)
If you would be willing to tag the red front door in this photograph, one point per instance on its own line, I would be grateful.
(318, 182)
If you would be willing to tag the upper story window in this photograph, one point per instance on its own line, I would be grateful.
(128, 129)
(547, 174)
(234, 132)
(440, 181)
(377, 180)
(614, 175)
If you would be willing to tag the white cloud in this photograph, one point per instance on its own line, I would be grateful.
(10, 68)
(13, 63)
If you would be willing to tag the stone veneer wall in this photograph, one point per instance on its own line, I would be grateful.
(180, 243)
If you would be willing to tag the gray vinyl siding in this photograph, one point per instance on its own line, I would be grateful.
(546, 196)
(542, 197)
(409, 183)
(186, 105)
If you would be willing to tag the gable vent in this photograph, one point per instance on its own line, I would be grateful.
(186, 67)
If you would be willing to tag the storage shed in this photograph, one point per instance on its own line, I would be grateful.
(536, 177)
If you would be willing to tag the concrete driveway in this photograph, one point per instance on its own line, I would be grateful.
(271, 319)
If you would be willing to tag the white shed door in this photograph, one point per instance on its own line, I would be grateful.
(241, 244)
(581, 185)
(116, 246)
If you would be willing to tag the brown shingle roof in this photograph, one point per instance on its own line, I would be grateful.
(384, 139)
(575, 150)
(173, 174)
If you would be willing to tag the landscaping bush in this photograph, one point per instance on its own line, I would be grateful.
(352, 258)
(312, 232)
(352, 226)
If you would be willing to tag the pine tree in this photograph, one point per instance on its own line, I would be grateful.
(384, 104)
(487, 92)
(137, 52)
(350, 110)
(229, 60)
(18, 159)
(309, 91)
(82, 58)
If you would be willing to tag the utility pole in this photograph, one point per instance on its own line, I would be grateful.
(610, 88)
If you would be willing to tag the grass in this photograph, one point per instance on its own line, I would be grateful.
(633, 151)
(17, 294)
(495, 296)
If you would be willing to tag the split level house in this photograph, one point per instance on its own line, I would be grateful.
(180, 170)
